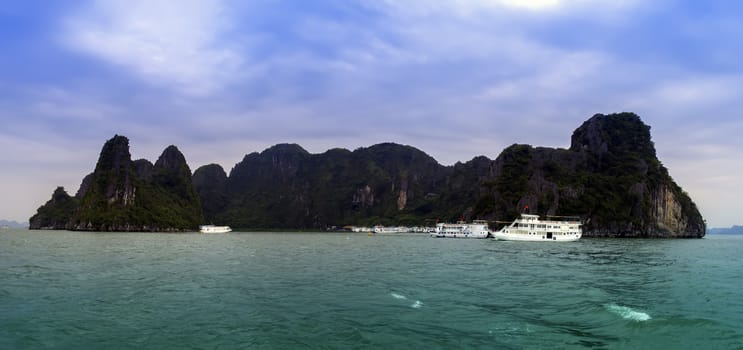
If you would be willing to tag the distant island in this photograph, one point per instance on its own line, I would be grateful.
(12, 224)
(734, 230)
(126, 195)
(610, 177)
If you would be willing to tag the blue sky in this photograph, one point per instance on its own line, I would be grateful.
(457, 79)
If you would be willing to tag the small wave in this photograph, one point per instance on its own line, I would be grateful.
(416, 305)
(627, 313)
(398, 296)
(31, 267)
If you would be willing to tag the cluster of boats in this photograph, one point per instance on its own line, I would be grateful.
(526, 228)
(392, 229)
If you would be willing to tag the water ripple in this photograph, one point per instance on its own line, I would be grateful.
(256, 290)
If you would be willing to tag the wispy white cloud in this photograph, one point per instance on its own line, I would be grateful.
(480, 8)
(455, 78)
(56, 103)
(168, 43)
(682, 93)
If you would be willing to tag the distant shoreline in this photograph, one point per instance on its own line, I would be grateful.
(733, 230)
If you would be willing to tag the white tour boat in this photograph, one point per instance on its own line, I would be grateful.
(390, 229)
(529, 228)
(214, 229)
(476, 229)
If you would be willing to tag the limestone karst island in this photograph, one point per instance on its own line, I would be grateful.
(610, 177)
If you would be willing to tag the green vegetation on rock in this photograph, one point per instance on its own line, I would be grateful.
(610, 177)
(126, 195)
(56, 213)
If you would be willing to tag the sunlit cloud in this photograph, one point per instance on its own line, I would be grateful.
(167, 43)
(222, 78)
(531, 4)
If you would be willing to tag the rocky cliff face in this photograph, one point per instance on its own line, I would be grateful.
(56, 213)
(126, 195)
(103, 205)
(171, 183)
(657, 205)
(287, 187)
(210, 182)
(84, 186)
(610, 177)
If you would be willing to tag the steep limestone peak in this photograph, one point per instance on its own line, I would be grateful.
(122, 195)
(613, 133)
(171, 160)
(115, 154)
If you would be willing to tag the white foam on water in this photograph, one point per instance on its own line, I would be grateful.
(627, 313)
(416, 305)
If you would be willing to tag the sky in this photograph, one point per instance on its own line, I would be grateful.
(457, 79)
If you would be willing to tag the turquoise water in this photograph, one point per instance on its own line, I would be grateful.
(73, 290)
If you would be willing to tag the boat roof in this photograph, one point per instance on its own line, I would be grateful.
(550, 219)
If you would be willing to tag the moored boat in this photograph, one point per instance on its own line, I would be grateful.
(530, 228)
(214, 229)
(476, 229)
(390, 229)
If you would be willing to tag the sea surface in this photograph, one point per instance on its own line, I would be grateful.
(76, 290)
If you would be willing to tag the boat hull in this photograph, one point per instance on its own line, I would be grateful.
(459, 235)
(502, 236)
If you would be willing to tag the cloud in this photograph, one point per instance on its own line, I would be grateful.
(470, 7)
(479, 8)
(459, 78)
(167, 43)
(59, 104)
(693, 91)
(531, 4)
